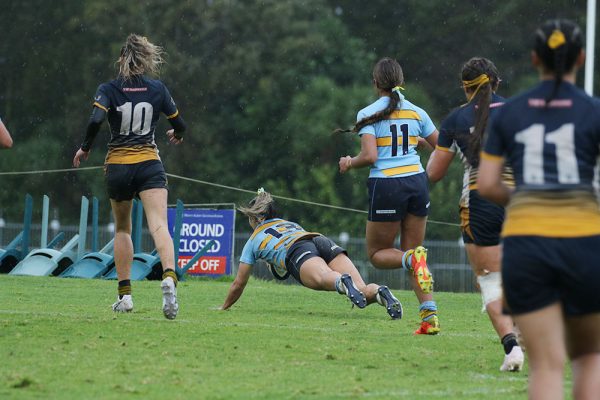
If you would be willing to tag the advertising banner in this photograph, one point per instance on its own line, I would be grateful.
(198, 228)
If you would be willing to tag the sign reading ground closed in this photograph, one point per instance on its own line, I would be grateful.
(198, 228)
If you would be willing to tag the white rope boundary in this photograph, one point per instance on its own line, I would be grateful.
(184, 178)
(44, 171)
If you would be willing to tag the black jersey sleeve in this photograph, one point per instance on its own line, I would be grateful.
(169, 108)
(178, 125)
(101, 99)
(446, 136)
(96, 119)
(101, 106)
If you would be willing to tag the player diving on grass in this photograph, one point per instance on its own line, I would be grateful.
(314, 260)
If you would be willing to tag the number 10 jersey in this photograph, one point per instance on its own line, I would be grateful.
(133, 107)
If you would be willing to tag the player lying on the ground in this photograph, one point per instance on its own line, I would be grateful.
(311, 258)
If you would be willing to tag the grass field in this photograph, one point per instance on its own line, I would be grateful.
(59, 339)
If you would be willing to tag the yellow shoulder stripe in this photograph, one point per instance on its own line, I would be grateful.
(404, 114)
(446, 149)
(100, 106)
(176, 113)
(261, 228)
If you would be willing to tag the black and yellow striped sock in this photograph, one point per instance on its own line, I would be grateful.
(170, 273)
(124, 288)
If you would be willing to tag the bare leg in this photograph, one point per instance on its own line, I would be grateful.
(383, 254)
(342, 264)
(586, 370)
(155, 207)
(485, 259)
(583, 343)
(123, 248)
(412, 235)
(380, 244)
(316, 274)
(544, 335)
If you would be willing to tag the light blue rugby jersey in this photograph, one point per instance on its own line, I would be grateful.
(397, 138)
(271, 240)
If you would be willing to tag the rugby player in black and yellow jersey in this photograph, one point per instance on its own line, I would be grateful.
(132, 103)
(550, 135)
(481, 220)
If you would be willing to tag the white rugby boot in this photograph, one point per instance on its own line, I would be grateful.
(513, 361)
(170, 305)
(125, 304)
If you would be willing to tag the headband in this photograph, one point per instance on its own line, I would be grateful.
(479, 82)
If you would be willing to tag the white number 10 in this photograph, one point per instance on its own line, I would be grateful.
(137, 122)
(533, 161)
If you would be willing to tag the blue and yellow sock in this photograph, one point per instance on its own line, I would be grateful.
(407, 259)
(427, 310)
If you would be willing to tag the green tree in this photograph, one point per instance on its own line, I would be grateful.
(262, 84)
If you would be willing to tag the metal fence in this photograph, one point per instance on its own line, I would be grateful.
(446, 259)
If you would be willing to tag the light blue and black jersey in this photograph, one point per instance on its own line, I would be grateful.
(397, 138)
(271, 240)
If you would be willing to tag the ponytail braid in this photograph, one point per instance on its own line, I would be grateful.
(262, 207)
(558, 44)
(481, 73)
(388, 76)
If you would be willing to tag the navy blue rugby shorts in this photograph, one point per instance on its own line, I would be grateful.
(539, 271)
(390, 199)
(481, 221)
(305, 249)
(124, 181)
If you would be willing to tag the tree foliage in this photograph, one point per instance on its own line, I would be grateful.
(261, 83)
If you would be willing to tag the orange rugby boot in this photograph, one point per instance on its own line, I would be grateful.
(420, 271)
